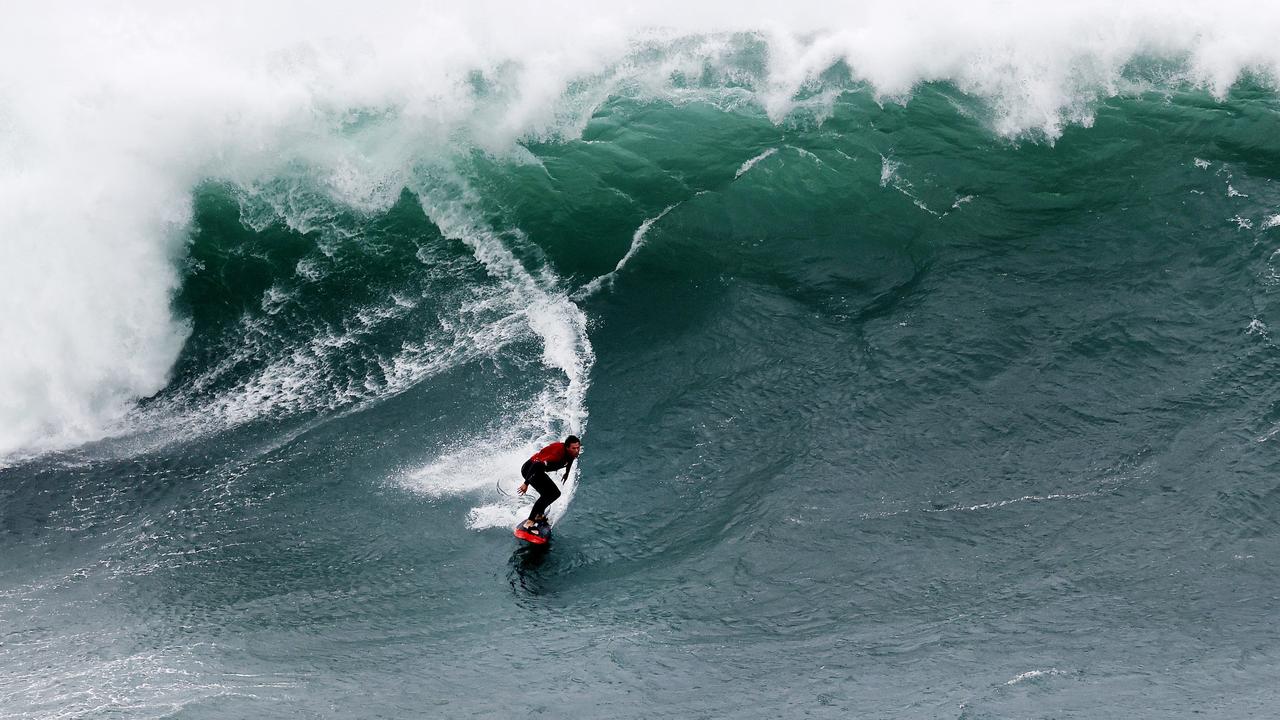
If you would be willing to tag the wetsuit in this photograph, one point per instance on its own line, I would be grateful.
(534, 471)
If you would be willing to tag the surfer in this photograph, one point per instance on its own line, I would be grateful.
(534, 471)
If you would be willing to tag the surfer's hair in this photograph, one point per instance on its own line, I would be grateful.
(572, 439)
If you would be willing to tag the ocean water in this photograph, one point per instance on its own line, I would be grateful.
(922, 357)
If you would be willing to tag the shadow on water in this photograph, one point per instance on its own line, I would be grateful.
(525, 569)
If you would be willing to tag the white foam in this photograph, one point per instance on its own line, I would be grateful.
(889, 171)
(486, 465)
(637, 241)
(1025, 498)
(56, 679)
(890, 177)
(110, 113)
(806, 154)
(484, 462)
(503, 515)
(752, 162)
(1033, 674)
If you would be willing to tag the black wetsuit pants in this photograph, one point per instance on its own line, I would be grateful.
(546, 487)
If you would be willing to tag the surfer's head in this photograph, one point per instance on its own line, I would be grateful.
(573, 445)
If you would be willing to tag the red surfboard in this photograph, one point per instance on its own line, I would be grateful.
(539, 534)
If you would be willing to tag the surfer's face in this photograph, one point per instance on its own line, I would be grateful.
(574, 448)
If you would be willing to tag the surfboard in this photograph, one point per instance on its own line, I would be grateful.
(539, 534)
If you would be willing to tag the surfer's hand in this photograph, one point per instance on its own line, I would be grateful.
(522, 489)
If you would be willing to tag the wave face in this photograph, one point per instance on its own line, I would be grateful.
(926, 354)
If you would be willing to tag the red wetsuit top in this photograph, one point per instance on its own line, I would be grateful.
(553, 457)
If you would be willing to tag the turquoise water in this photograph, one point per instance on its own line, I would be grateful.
(886, 413)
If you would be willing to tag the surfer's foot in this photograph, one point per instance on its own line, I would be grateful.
(528, 523)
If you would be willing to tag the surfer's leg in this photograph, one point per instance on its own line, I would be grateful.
(528, 474)
(547, 492)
